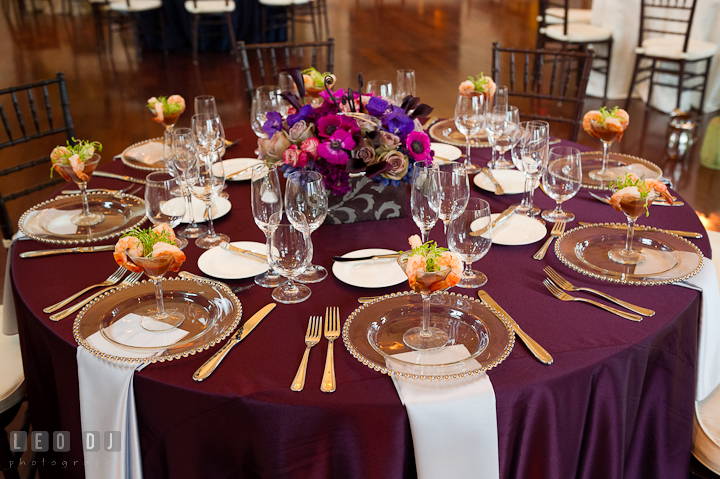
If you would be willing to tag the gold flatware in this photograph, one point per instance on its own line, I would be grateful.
(654, 203)
(568, 286)
(562, 295)
(312, 337)
(111, 280)
(537, 350)
(332, 332)
(554, 142)
(557, 230)
(78, 249)
(253, 254)
(129, 281)
(204, 371)
(686, 234)
(503, 216)
(240, 171)
(498, 189)
(428, 123)
(367, 299)
(105, 174)
(365, 258)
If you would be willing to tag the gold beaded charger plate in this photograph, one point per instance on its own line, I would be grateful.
(445, 131)
(618, 163)
(211, 311)
(670, 258)
(373, 335)
(145, 155)
(49, 221)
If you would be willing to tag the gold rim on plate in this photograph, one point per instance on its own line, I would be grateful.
(132, 163)
(614, 160)
(436, 133)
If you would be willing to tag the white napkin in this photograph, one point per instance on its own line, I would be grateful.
(107, 399)
(52, 220)
(453, 423)
(708, 367)
(147, 153)
(9, 317)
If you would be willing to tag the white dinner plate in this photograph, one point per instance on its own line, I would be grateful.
(237, 164)
(517, 230)
(221, 207)
(373, 273)
(446, 152)
(512, 181)
(221, 263)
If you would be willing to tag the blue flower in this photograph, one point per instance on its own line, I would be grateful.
(273, 124)
(303, 114)
(377, 106)
(399, 123)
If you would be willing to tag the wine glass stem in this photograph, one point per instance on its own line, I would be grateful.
(630, 234)
(528, 197)
(468, 163)
(424, 233)
(467, 270)
(160, 306)
(208, 213)
(191, 211)
(85, 206)
(426, 316)
(606, 148)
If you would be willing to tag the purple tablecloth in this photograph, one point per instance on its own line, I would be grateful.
(617, 401)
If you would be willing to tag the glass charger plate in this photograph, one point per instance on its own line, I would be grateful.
(373, 334)
(139, 165)
(619, 163)
(49, 221)
(670, 258)
(211, 310)
(445, 131)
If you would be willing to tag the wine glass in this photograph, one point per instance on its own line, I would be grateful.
(449, 191)
(561, 180)
(531, 156)
(85, 217)
(305, 193)
(206, 184)
(205, 104)
(423, 214)
(468, 247)
(500, 98)
(266, 200)
(469, 120)
(381, 88)
(503, 133)
(290, 252)
(633, 208)
(183, 163)
(286, 84)
(404, 85)
(209, 134)
(607, 137)
(164, 202)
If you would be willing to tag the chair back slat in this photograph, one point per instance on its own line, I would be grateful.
(18, 113)
(663, 17)
(6, 125)
(512, 71)
(48, 109)
(36, 122)
(526, 73)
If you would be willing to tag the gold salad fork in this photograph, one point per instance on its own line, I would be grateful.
(568, 286)
(557, 230)
(129, 281)
(312, 337)
(560, 294)
(332, 332)
(112, 279)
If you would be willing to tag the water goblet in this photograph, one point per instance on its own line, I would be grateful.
(286, 84)
(469, 119)
(404, 85)
(561, 180)
(266, 200)
(85, 217)
(164, 202)
(205, 104)
(381, 88)
(449, 191)
(503, 134)
(289, 252)
(183, 163)
(468, 247)
(305, 193)
(209, 134)
(423, 214)
(530, 156)
(206, 184)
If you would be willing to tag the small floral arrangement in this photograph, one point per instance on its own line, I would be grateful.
(349, 133)
(481, 83)
(151, 242)
(73, 155)
(166, 106)
(314, 79)
(616, 120)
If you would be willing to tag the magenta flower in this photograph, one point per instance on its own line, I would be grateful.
(328, 124)
(418, 145)
(335, 149)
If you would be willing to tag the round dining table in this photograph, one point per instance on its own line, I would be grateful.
(617, 402)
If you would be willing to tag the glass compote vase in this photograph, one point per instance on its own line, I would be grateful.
(157, 319)
(85, 218)
(607, 137)
(633, 209)
(425, 337)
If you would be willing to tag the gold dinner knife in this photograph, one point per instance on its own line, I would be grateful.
(498, 189)
(207, 369)
(537, 350)
(79, 249)
(503, 216)
(253, 254)
(106, 174)
(686, 234)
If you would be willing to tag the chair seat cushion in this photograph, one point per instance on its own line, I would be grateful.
(671, 46)
(135, 5)
(578, 33)
(555, 15)
(12, 379)
(210, 6)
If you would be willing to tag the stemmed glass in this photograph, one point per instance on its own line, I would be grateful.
(531, 156)
(633, 209)
(305, 193)
(423, 214)
(449, 191)
(290, 252)
(286, 84)
(607, 137)
(164, 202)
(206, 183)
(265, 100)
(404, 85)
(84, 218)
(469, 119)
(205, 104)
(266, 200)
(503, 134)
(183, 163)
(381, 88)
(209, 134)
(468, 247)
(561, 180)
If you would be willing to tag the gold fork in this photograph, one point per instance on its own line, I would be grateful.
(560, 294)
(557, 230)
(568, 286)
(312, 337)
(129, 281)
(332, 332)
(112, 279)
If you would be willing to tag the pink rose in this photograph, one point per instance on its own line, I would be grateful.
(398, 162)
(293, 156)
(310, 146)
(301, 131)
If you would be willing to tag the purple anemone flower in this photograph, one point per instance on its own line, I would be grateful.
(273, 124)
(418, 146)
(335, 148)
(328, 124)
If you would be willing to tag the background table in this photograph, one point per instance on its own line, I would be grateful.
(617, 402)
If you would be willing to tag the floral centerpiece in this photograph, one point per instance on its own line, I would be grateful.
(349, 133)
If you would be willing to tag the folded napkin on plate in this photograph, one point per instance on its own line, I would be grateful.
(107, 400)
(147, 153)
(51, 220)
(708, 365)
(453, 423)
(9, 317)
